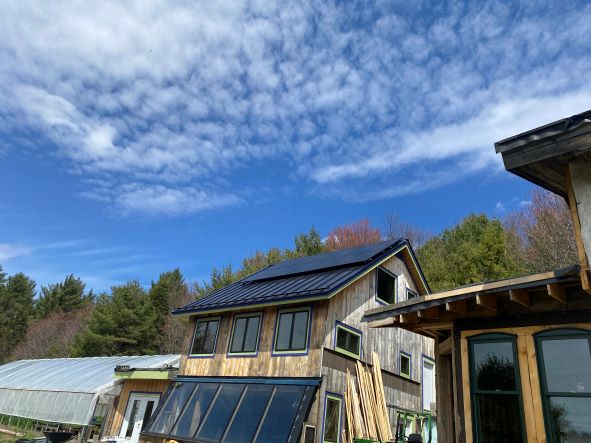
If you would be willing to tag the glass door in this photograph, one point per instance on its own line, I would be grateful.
(139, 410)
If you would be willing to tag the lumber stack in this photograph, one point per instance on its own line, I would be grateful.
(365, 404)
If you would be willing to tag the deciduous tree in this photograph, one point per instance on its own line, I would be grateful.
(355, 234)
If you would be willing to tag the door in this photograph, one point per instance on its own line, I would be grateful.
(428, 383)
(139, 410)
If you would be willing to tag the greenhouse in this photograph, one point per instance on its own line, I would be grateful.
(71, 391)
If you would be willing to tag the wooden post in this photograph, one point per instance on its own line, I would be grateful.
(574, 209)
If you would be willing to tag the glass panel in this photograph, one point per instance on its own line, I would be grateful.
(331, 423)
(353, 344)
(195, 410)
(498, 418)
(220, 413)
(494, 366)
(571, 417)
(132, 418)
(300, 331)
(170, 411)
(567, 363)
(198, 338)
(281, 414)
(284, 331)
(238, 337)
(249, 414)
(341, 338)
(386, 286)
(147, 413)
(209, 341)
(252, 332)
(405, 364)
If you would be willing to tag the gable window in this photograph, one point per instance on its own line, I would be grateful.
(564, 359)
(410, 294)
(291, 335)
(404, 364)
(205, 337)
(245, 334)
(386, 286)
(495, 388)
(348, 340)
(332, 418)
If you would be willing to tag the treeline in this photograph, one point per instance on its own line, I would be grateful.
(66, 320)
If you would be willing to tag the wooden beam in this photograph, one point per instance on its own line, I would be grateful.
(411, 317)
(574, 209)
(444, 347)
(432, 313)
(487, 301)
(459, 307)
(384, 322)
(520, 296)
(557, 292)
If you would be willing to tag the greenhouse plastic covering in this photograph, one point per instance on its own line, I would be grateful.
(65, 390)
(234, 410)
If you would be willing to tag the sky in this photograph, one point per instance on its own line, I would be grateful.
(140, 136)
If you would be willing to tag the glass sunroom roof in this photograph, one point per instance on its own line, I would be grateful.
(234, 410)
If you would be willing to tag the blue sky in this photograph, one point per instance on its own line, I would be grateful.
(140, 136)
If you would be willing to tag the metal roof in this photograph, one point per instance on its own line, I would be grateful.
(298, 279)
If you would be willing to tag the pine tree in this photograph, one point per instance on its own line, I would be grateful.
(170, 286)
(65, 296)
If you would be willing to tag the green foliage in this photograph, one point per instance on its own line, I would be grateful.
(65, 296)
(474, 250)
(16, 310)
(170, 286)
(309, 244)
(122, 324)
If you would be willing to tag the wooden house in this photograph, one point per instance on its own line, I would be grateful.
(267, 356)
(514, 356)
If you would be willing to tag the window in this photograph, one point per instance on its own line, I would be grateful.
(428, 383)
(386, 286)
(205, 338)
(291, 335)
(495, 388)
(410, 294)
(332, 418)
(404, 364)
(564, 360)
(245, 334)
(348, 340)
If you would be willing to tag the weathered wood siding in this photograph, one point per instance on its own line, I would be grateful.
(263, 364)
(130, 386)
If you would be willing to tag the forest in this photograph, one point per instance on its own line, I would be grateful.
(65, 319)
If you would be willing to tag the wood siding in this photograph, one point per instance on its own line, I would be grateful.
(129, 386)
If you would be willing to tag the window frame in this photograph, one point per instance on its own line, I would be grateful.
(555, 334)
(395, 277)
(494, 337)
(302, 352)
(350, 330)
(339, 398)
(406, 355)
(411, 291)
(254, 353)
(430, 360)
(215, 343)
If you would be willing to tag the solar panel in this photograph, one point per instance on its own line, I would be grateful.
(340, 258)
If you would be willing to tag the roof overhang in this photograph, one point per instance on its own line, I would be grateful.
(545, 292)
(404, 250)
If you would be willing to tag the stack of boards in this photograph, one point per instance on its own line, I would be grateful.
(365, 405)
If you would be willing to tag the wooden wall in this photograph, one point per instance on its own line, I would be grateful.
(116, 417)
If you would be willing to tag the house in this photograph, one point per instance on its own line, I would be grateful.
(267, 356)
(82, 394)
(514, 356)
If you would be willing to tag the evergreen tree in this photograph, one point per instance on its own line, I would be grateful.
(122, 324)
(65, 296)
(170, 286)
(308, 244)
(473, 251)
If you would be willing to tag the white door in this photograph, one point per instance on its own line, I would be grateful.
(428, 383)
(140, 408)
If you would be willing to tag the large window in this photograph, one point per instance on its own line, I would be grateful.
(291, 335)
(348, 340)
(245, 334)
(386, 286)
(564, 360)
(332, 418)
(428, 383)
(495, 388)
(205, 337)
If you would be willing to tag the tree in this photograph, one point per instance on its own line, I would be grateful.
(396, 228)
(122, 324)
(169, 287)
(16, 310)
(541, 236)
(308, 244)
(474, 250)
(355, 234)
(65, 296)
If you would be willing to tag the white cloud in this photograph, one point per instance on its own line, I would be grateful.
(9, 251)
(167, 104)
